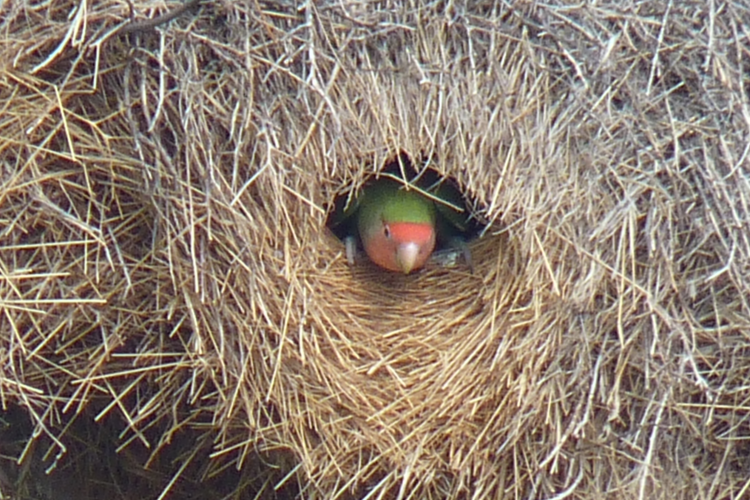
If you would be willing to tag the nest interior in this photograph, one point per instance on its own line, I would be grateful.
(167, 275)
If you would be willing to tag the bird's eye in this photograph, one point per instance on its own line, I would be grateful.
(387, 231)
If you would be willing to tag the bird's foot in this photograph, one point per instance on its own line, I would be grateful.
(351, 249)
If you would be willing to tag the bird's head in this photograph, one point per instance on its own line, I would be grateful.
(402, 246)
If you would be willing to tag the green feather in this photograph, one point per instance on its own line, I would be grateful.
(450, 206)
(387, 200)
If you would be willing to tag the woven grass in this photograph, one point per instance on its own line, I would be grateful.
(165, 267)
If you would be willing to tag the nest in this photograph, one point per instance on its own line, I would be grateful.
(170, 290)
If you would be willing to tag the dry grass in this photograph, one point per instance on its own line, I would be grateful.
(164, 265)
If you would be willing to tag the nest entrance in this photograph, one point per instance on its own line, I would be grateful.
(423, 176)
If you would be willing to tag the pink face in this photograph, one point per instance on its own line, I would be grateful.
(401, 246)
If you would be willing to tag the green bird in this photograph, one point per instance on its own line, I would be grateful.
(399, 227)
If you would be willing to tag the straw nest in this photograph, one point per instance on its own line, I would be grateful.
(166, 269)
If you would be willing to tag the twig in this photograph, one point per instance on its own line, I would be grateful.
(150, 24)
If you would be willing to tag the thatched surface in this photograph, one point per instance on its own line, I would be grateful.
(164, 259)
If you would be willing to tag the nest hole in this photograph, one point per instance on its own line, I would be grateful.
(425, 178)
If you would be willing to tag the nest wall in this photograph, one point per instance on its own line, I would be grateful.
(165, 257)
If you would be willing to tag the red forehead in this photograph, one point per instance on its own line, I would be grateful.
(412, 231)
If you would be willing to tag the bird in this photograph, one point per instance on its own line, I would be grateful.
(399, 225)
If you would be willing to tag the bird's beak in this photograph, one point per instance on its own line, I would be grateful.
(406, 256)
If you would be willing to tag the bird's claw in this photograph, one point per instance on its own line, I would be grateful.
(450, 256)
(351, 249)
(467, 257)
